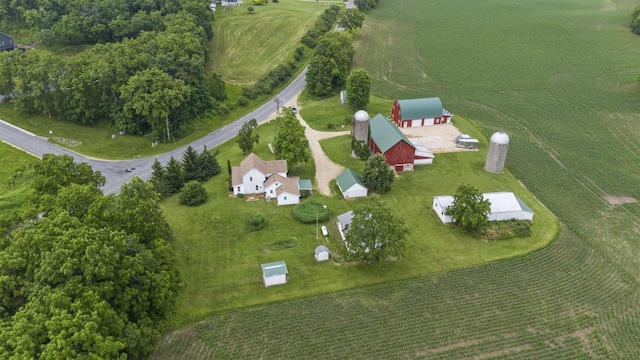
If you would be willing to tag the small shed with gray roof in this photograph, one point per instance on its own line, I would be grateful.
(351, 184)
(6, 42)
(274, 273)
(322, 253)
(419, 112)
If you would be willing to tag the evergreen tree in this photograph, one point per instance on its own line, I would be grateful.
(208, 164)
(191, 165)
(174, 176)
(159, 178)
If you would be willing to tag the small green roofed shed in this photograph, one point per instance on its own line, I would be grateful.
(351, 184)
(385, 134)
(305, 184)
(274, 273)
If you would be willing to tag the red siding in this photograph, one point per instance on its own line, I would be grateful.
(396, 115)
(400, 153)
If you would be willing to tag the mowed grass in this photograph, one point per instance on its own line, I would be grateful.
(13, 185)
(242, 54)
(558, 76)
(321, 114)
(220, 259)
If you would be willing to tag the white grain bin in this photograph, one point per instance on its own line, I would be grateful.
(497, 153)
(361, 128)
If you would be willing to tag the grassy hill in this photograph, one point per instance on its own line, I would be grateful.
(14, 175)
(559, 77)
(247, 45)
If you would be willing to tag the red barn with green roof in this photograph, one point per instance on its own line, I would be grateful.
(389, 141)
(419, 112)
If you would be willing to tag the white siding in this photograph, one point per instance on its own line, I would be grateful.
(253, 180)
(322, 256)
(288, 199)
(355, 191)
(440, 205)
(270, 191)
(238, 189)
(274, 280)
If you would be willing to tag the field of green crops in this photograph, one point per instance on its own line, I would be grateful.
(561, 78)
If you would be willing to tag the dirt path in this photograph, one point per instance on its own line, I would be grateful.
(326, 170)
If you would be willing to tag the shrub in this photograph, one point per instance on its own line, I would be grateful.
(192, 194)
(256, 222)
(331, 125)
(306, 212)
(297, 57)
(522, 228)
(242, 101)
(335, 189)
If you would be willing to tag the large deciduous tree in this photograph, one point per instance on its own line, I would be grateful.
(290, 142)
(351, 19)
(330, 63)
(246, 137)
(470, 210)
(375, 233)
(377, 175)
(152, 94)
(92, 277)
(358, 89)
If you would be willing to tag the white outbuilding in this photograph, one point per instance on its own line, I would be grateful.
(504, 206)
(322, 253)
(274, 273)
(351, 184)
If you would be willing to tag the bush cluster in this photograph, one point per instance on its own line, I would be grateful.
(269, 82)
(306, 212)
(256, 222)
(193, 194)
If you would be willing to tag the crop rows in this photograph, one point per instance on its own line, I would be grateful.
(563, 301)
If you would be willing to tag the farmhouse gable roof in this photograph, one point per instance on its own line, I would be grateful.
(385, 134)
(253, 161)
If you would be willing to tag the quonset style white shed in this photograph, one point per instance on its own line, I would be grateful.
(274, 273)
(504, 206)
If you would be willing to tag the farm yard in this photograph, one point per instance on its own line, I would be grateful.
(560, 77)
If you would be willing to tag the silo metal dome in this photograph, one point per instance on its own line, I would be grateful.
(361, 126)
(497, 154)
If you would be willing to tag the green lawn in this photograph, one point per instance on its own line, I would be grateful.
(560, 77)
(13, 180)
(320, 114)
(220, 260)
(242, 54)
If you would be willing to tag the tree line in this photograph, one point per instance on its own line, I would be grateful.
(83, 275)
(153, 84)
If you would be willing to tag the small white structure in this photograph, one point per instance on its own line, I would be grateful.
(230, 2)
(344, 220)
(343, 96)
(351, 185)
(274, 273)
(504, 206)
(322, 253)
(497, 154)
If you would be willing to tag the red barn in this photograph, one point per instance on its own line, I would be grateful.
(419, 112)
(387, 140)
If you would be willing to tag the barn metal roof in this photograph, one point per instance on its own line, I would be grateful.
(425, 108)
(385, 134)
(274, 268)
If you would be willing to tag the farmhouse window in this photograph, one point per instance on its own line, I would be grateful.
(271, 191)
(285, 198)
(238, 188)
(256, 187)
(251, 179)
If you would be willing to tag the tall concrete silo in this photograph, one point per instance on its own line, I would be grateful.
(360, 129)
(497, 154)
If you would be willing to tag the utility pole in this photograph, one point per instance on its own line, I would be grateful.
(168, 134)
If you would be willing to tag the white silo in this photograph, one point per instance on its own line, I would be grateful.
(360, 130)
(497, 154)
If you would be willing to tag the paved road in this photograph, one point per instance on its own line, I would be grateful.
(114, 171)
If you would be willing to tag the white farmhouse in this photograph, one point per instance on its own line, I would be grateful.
(250, 176)
(504, 206)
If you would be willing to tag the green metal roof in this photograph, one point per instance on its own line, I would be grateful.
(348, 178)
(305, 184)
(274, 268)
(385, 134)
(523, 205)
(425, 108)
